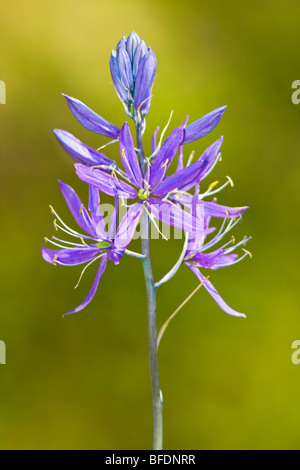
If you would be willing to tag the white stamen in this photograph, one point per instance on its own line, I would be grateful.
(83, 271)
(152, 218)
(60, 246)
(65, 225)
(236, 261)
(219, 236)
(190, 158)
(65, 241)
(161, 138)
(247, 252)
(76, 235)
(108, 143)
(209, 193)
(242, 242)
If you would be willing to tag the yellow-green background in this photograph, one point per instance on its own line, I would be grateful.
(82, 382)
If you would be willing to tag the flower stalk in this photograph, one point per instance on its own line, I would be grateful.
(157, 402)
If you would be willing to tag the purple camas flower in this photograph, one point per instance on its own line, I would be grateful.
(198, 255)
(143, 185)
(96, 243)
(155, 188)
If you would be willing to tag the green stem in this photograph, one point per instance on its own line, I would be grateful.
(152, 338)
(157, 404)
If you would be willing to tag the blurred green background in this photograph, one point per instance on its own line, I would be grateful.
(82, 382)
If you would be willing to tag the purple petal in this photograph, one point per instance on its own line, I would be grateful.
(128, 225)
(69, 257)
(122, 42)
(197, 239)
(224, 261)
(125, 69)
(180, 159)
(212, 209)
(129, 158)
(203, 126)
(102, 181)
(115, 255)
(165, 156)
(140, 51)
(206, 260)
(183, 179)
(144, 82)
(114, 217)
(120, 89)
(97, 217)
(208, 158)
(132, 43)
(92, 292)
(212, 291)
(77, 209)
(173, 215)
(80, 152)
(91, 120)
(186, 178)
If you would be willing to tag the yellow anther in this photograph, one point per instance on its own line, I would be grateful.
(122, 200)
(212, 185)
(232, 239)
(54, 223)
(54, 259)
(80, 210)
(165, 164)
(82, 241)
(227, 213)
(123, 153)
(46, 239)
(51, 209)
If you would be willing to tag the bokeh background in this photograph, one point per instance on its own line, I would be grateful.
(82, 382)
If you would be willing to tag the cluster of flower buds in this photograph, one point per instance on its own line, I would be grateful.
(133, 69)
